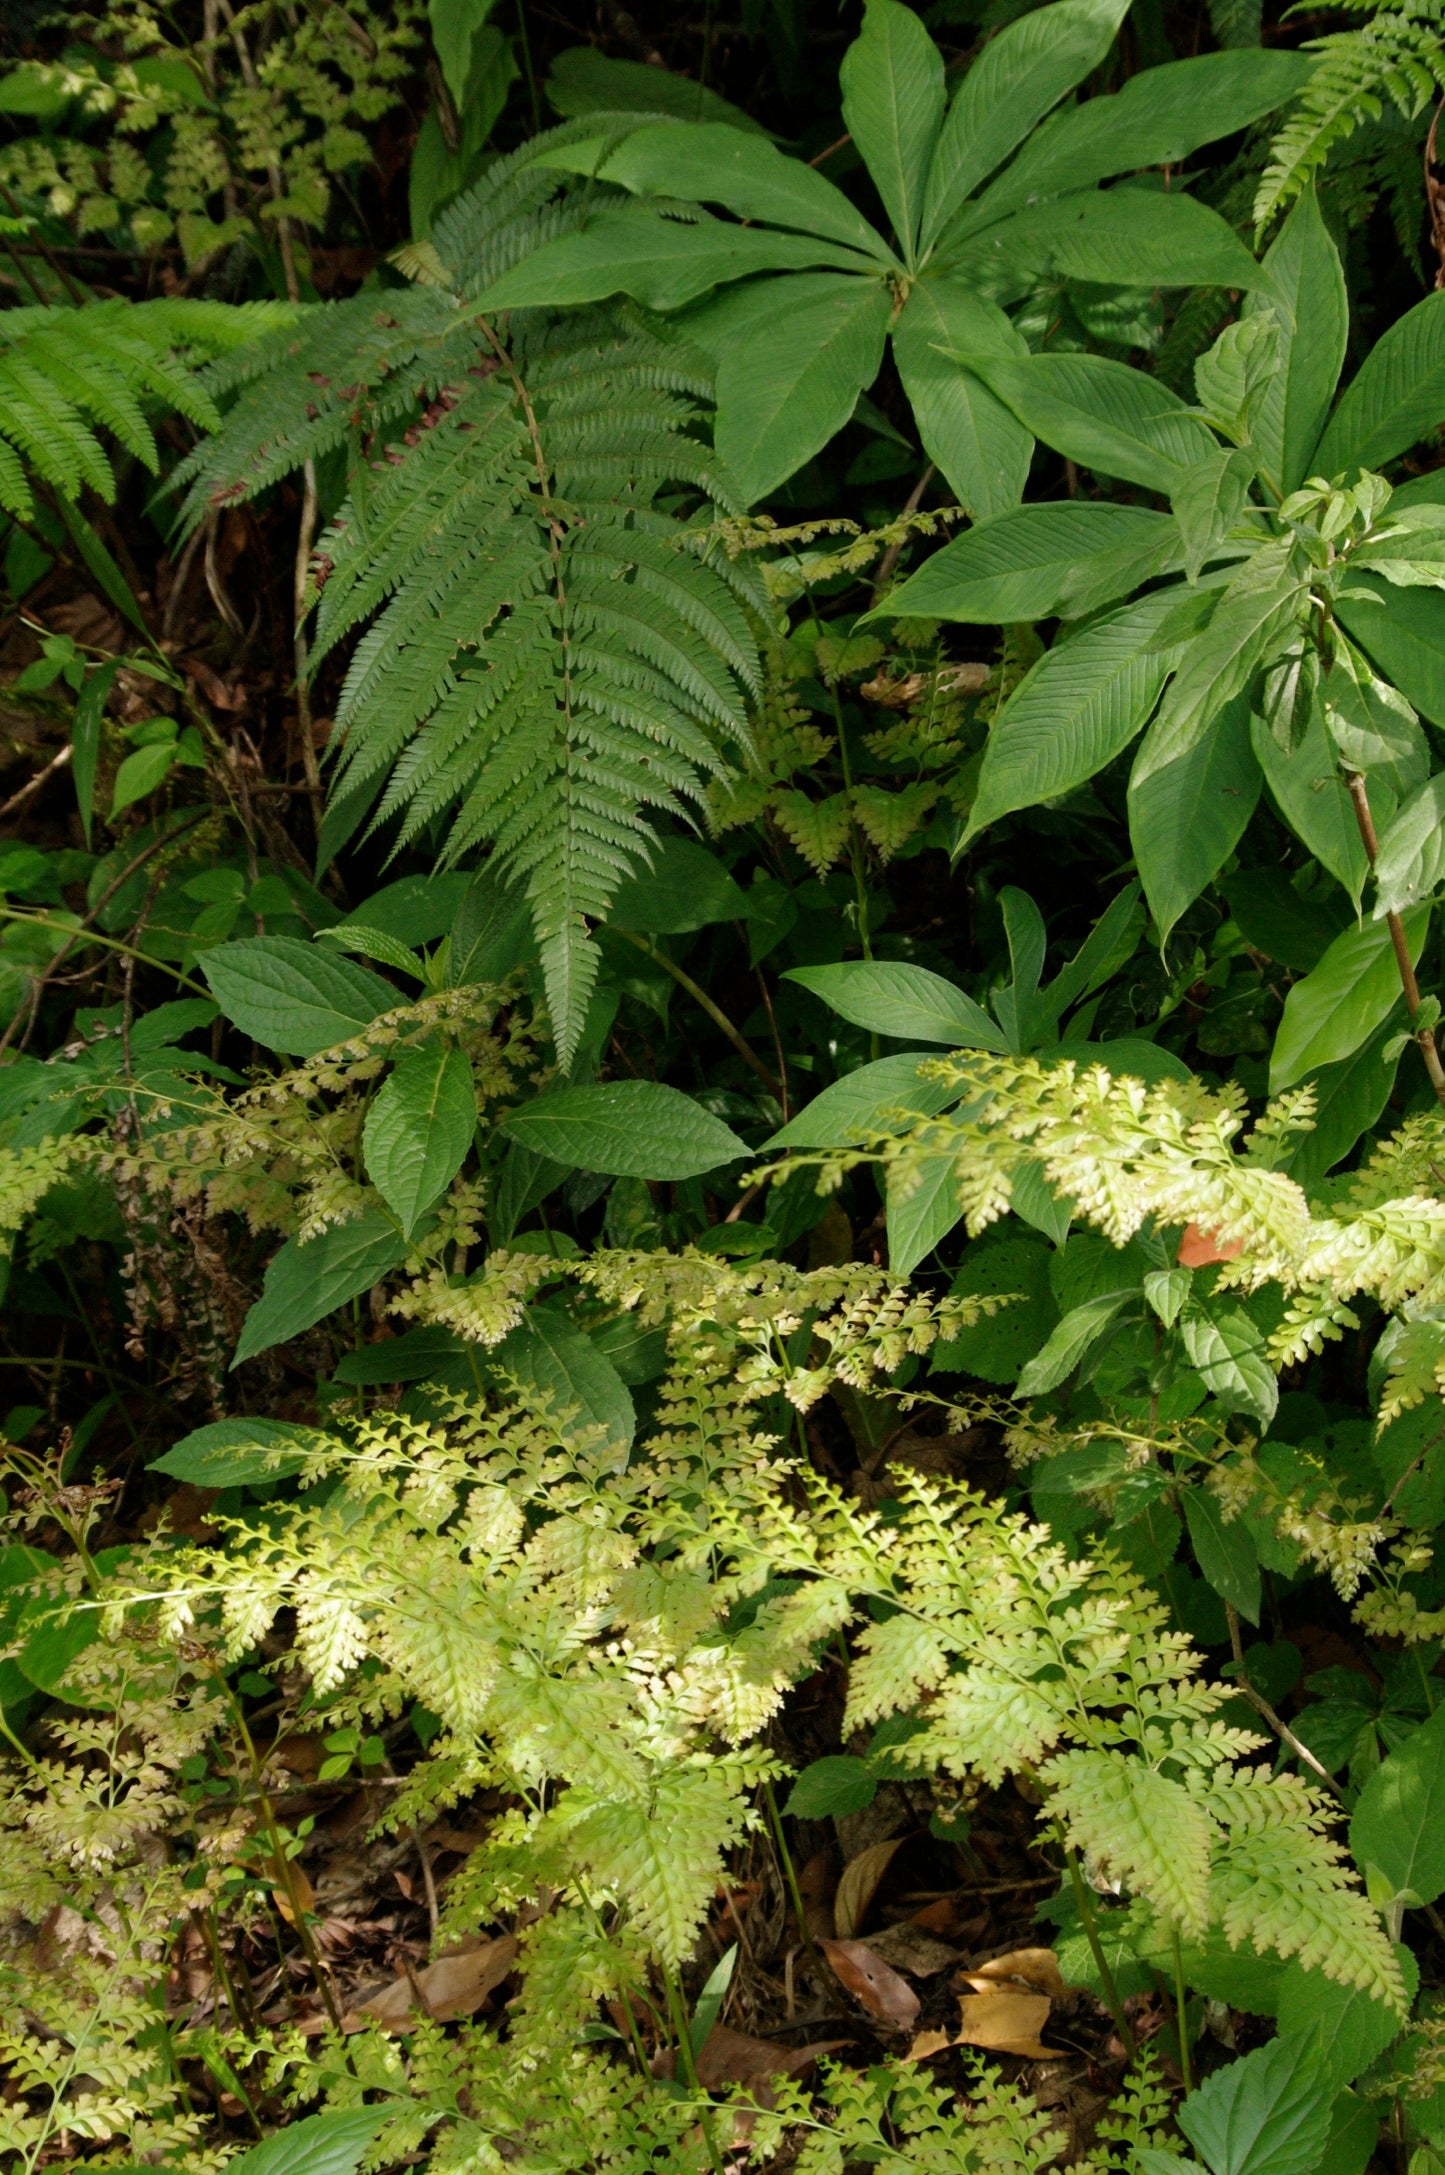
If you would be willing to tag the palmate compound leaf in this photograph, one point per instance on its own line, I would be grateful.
(548, 653)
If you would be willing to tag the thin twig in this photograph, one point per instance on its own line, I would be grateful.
(1266, 1712)
(18, 800)
(714, 1012)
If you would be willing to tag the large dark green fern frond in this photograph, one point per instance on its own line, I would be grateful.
(547, 651)
(67, 374)
(1397, 58)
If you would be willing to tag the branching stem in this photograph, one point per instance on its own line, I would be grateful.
(1424, 1036)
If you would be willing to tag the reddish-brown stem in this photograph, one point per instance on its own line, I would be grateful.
(1424, 1036)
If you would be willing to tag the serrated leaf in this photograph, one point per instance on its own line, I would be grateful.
(920, 1211)
(1069, 1341)
(1399, 1821)
(1267, 2113)
(419, 1129)
(831, 1788)
(303, 1284)
(293, 997)
(1225, 1553)
(627, 1129)
(330, 2144)
(868, 1100)
(551, 1354)
(1228, 1351)
(236, 1453)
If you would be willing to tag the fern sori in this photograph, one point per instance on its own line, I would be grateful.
(1397, 57)
(551, 649)
(66, 374)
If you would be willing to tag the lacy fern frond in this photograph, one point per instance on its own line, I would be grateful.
(1396, 58)
(67, 374)
(549, 652)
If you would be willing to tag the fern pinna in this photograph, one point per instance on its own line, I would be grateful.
(1396, 58)
(551, 646)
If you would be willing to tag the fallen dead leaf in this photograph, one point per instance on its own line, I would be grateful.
(876, 1984)
(1036, 1969)
(1198, 1247)
(729, 2057)
(862, 1877)
(1005, 2021)
(453, 1986)
(952, 1921)
(930, 2043)
(908, 1948)
(298, 1886)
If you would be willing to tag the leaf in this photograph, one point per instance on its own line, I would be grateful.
(791, 382)
(1228, 1351)
(85, 737)
(1138, 238)
(552, 1355)
(1307, 299)
(419, 1129)
(1105, 416)
(291, 997)
(1257, 613)
(452, 1987)
(303, 1284)
(1267, 2113)
(871, 1981)
(1403, 634)
(1354, 2027)
(1411, 863)
(1022, 564)
(491, 932)
(1208, 501)
(140, 774)
(891, 998)
(1069, 1341)
(419, 909)
(1073, 712)
(1225, 1553)
(627, 1129)
(832, 1787)
(454, 26)
(876, 1097)
(660, 262)
(921, 1211)
(1313, 798)
(1349, 1098)
(862, 1878)
(1341, 1003)
(997, 1345)
(1187, 818)
(1399, 1822)
(978, 445)
(584, 80)
(729, 2057)
(331, 2144)
(1022, 72)
(892, 79)
(1006, 2020)
(686, 888)
(237, 1453)
(1396, 398)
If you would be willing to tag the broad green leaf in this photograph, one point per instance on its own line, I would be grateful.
(1125, 1056)
(891, 998)
(686, 888)
(713, 164)
(1157, 119)
(1187, 818)
(997, 1345)
(237, 1453)
(1226, 1554)
(1077, 708)
(418, 1130)
(85, 736)
(1019, 75)
(921, 1211)
(140, 774)
(454, 27)
(331, 2144)
(1354, 2027)
(1228, 1351)
(865, 1101)
(293, 997)
(1338, 1006)
(1374, 728)
(550, 1354)
(1022, 564)
(416, 909)
(1404, 635)
(1207, 501)
(491, 936)
(633, 250)
(1267, 2113)
(893, 98)
(1349, 1098)
(1397, 397)
(830, 1787)
(978, 445)
(583, 81)
(1280, 921)
(1135, 238)
(1313, 799)
(1069, 1341)
(627, 1129)
(1256, 614)
(1411, 866)
(1103, 415)
(1399, 1822)
(1308, 301)
(303, 1284)
(792, 383)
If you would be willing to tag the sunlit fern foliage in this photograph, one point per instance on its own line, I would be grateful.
(1394, 58)
(68, 374)
(552, 646)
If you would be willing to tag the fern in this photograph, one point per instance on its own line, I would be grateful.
(1397, 57)
(550, 650)
(66, 374)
